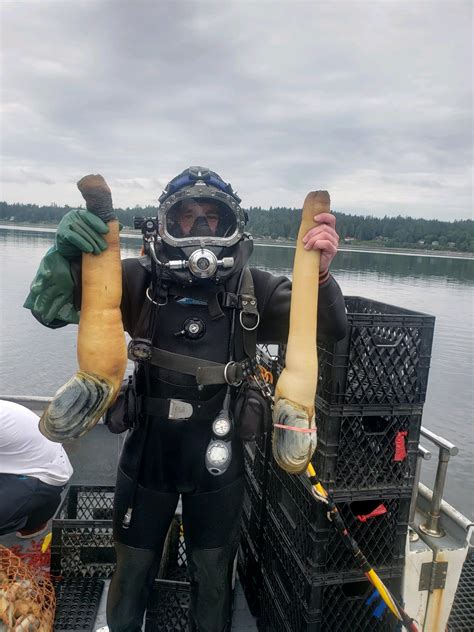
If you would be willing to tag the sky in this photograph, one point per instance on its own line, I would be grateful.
(371, 101)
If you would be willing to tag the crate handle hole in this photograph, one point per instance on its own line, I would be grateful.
(374, 425)
(355, 590)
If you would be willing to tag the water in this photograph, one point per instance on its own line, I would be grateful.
(36, 361)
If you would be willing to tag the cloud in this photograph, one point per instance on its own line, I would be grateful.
(22, 175)
(369, 100)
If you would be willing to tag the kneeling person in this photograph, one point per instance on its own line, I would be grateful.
(33, 473)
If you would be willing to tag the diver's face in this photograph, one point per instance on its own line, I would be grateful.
(191, 211)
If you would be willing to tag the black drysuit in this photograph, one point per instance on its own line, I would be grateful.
(169, 456)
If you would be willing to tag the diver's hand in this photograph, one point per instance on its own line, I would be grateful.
(51, 296)
(80, 231)
(323, 237)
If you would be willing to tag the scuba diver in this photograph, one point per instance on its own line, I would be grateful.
(195, 312)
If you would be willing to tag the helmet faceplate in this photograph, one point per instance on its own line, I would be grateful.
(201, 201)
(200, 212)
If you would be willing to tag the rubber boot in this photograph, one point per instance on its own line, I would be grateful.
(210, 573)
(130, 587)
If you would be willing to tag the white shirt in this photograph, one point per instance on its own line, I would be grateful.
(25, 451)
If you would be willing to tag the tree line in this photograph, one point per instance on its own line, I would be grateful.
(280, 223)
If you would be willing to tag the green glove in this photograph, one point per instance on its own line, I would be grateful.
(80, 231)
(51, 296)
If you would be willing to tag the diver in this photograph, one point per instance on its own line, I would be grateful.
(195, 312)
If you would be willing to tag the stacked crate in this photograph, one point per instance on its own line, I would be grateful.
(168, 603)
(82, 535)
(249, 559)
(82, 554)
(372, 386)
(257, 459)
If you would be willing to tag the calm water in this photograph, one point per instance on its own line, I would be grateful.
(36, 361)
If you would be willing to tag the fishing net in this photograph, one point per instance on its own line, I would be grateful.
(27, 597)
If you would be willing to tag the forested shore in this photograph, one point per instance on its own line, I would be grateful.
(281, 224)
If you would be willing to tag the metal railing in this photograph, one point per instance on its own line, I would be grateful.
(423, 455)
(446, 450)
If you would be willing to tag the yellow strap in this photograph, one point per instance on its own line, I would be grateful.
(46, 542)
(380, 586)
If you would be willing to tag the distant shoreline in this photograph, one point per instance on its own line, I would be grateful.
(442, 254)
(381, 250)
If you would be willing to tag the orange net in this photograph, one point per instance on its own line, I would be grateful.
(27, 597)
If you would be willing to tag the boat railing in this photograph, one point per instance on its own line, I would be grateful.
(423, 455)
(446, 450)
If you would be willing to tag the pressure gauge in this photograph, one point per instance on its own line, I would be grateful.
(221, 426)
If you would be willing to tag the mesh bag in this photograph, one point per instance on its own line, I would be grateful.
(27, 597)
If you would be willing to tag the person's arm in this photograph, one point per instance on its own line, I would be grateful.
(274, 297)
(54, 298)
(274, 293)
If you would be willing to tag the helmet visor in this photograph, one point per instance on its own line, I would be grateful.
(200, 217)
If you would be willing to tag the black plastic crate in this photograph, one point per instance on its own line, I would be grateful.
(342, 606)
(384, 358)
(379, 524)
(367, 450)
(168, 603)
(77, 603)
(82, 539)
(256, 460)
(253, 513)
(173, 560)
(249, 568)
(269, 358)
(168, 607)
(303, 581)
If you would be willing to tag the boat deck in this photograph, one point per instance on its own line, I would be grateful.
(461, 618)
(242, 620)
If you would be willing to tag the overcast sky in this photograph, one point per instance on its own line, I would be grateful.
(370, 100)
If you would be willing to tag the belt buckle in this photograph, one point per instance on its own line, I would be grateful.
(180, 409)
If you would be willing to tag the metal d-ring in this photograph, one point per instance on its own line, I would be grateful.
(155, 302)
(225, 375)
(249, 328)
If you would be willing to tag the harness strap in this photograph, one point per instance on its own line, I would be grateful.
(205, 371)
(215, 310)
(246, 334)
(245, 341)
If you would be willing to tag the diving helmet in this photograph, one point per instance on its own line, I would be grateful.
(201, 228)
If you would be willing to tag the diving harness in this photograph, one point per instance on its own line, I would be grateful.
(232, 374)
